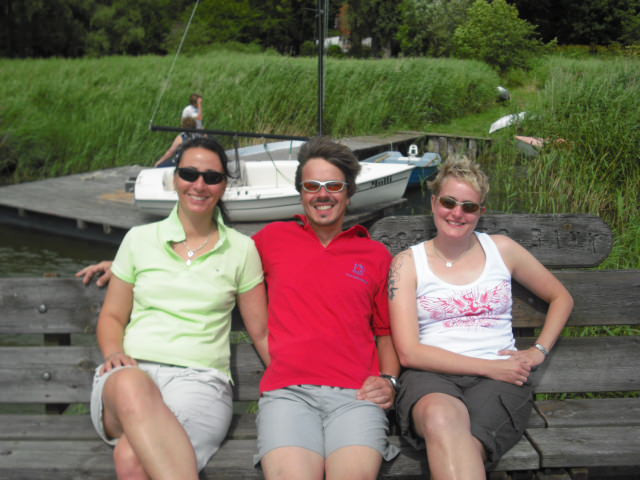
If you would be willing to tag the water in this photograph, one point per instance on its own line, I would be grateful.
(27, 253)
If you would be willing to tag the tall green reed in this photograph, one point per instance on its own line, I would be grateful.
(589, 113)
(61, 116)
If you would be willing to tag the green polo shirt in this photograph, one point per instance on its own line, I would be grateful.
(182, 313)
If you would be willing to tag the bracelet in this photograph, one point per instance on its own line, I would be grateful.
(542, 348)
(393, 380)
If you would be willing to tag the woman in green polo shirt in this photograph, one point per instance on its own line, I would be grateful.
(163, 394)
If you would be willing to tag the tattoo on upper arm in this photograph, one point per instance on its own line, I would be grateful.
(394, 272)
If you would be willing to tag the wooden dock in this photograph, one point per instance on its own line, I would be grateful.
(94, 205)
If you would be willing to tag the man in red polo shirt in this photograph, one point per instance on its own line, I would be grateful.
(323, 399)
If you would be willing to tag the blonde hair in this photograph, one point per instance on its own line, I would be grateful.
(461, 168)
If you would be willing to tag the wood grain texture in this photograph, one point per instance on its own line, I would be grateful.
(558, 241)
(587, 446)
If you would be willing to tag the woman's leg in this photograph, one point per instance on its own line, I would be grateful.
(452, 451)
(133, 407)
(128, 467)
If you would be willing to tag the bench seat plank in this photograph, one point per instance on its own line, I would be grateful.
(586, 446)
(596, 412)
(590, 364)
(79, 427)
(92, 460)
(412, 463)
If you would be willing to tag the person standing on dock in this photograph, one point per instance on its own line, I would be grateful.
(194, 110)
(162, 397)
(333, 365)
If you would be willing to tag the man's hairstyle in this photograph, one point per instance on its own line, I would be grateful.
(335, 153)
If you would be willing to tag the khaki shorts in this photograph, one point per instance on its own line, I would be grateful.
(499, 411)
(321, 419)
(200, 398)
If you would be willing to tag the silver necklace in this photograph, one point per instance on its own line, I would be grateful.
(192, 251)
(450, 263)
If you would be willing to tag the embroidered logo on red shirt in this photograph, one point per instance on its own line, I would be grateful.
(358, 272)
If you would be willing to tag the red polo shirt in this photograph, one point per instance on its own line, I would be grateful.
(326, 305)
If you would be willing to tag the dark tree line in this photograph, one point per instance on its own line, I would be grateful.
(73, 28)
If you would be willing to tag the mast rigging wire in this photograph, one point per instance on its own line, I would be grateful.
(173, 63)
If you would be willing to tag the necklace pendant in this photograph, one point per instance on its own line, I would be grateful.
(190, 253)
(448, 264)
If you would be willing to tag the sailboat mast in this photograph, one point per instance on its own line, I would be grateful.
(323, 6)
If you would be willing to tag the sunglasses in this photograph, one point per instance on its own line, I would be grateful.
(210, 177)
(467, 207)
(331, 186)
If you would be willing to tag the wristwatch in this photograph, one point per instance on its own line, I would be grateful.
(393, 380)
(542, 349)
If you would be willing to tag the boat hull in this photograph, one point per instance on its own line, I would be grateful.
(425, 167)
(269, 192)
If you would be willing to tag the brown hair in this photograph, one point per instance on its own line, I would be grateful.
(336, 154)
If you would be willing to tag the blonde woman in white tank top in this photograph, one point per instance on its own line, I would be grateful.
(465, 392)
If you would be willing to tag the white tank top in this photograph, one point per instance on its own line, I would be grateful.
(472, 319)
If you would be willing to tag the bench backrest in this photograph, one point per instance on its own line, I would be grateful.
(46, 355)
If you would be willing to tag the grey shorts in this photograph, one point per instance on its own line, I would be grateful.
(499, 411)
(200, 398)
(321, 419)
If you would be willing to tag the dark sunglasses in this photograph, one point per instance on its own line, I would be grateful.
(331, 186)
(467, 207)
(210, 177)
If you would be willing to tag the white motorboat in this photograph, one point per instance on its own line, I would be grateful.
(266, 190)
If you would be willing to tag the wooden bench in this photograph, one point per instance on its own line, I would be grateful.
(48, 354)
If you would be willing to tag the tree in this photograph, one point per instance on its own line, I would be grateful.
(586, 22)
(374, 19)
(132, 28)
(42, 28)
(427, 26)
(495, 34)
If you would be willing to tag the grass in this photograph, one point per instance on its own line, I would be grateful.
(62, 116)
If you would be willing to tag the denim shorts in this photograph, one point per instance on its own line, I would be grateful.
(321, 419)
(499, 411)
(200, 398)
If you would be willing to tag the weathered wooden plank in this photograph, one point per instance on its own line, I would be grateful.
(64, 374)
(558, 241)
(48, 305)
(413, 463)
(79, 427)
(587, 446)
(601, 298)
(46, 374)
(596, 412)
(64, 305)
(92, 460)
(590, 364)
